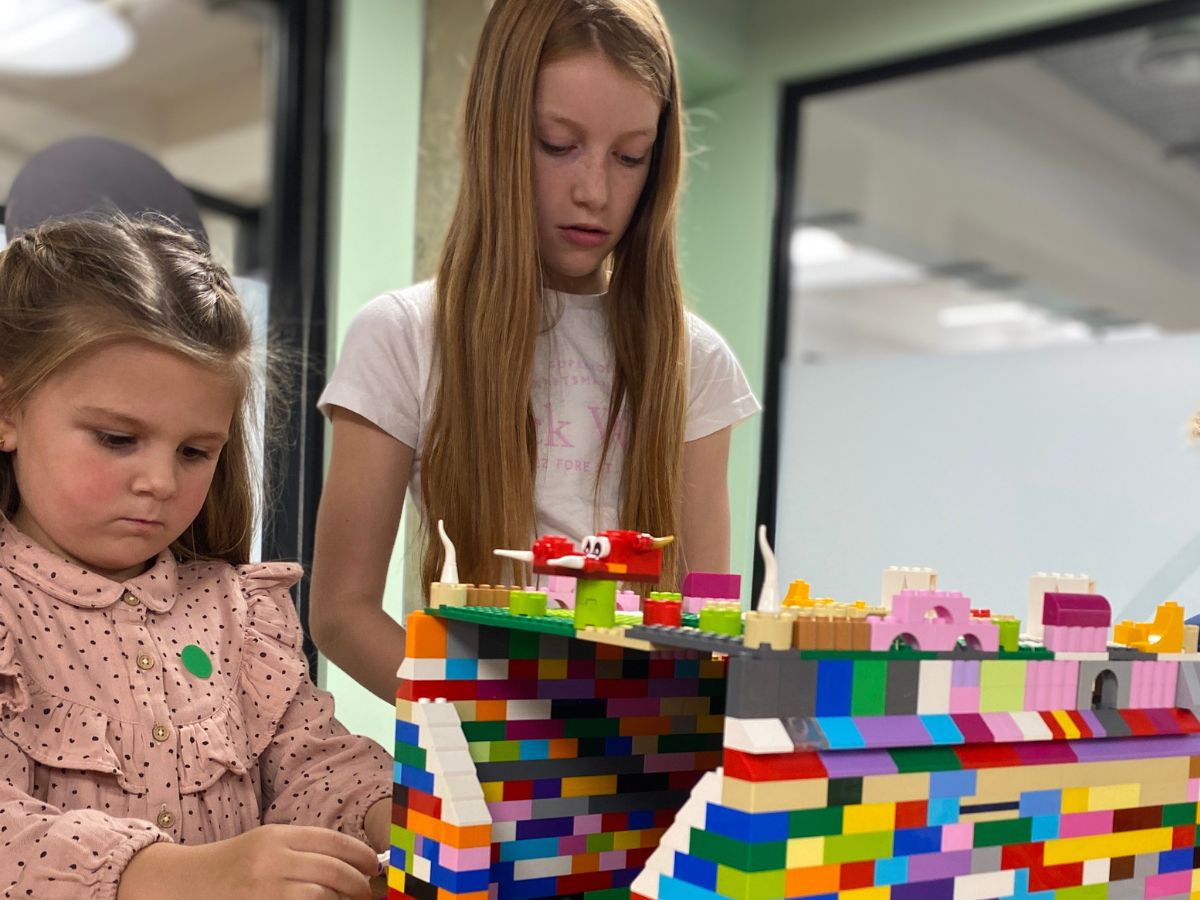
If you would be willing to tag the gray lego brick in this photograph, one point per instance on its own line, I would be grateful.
(687, 639)
(1187, 688)
(752, 688)
(528, 769)
(561, 807)
(903, 680)
(797, 687)
(985, 859)
(1089, 669)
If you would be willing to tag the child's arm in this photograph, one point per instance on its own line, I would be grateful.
(705, 509)
(356, 531)
(54, 855)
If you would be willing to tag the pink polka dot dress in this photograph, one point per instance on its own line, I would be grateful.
(173, 706)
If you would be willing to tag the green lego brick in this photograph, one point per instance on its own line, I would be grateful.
(1083, 892)
(600, 843)
(688, 743)
(870, 687)
(1179, 814)
(1010, 631)
(1001, 685)
(502, 618)
(610, 894)
(815, 822)
(844, 848)
(527, 603)
(505, 751)
(405, 840)
(761, 857)
(1005, 831)
(584, 728)
(925, 759)
(483, 731)
(750, 885)
(411, 756)
(523, 645)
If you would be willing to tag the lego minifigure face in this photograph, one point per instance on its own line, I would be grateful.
(596, 547)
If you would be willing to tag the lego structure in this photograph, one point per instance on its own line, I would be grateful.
(674, 755)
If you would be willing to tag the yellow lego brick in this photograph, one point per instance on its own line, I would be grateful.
(1114, 796)
(895, 788)
(709, 724)
(774, 796)
(1126, 843)
(1064, 722)
(805, 852)
(552, 669)
(869, 817)
(493, 791)
(628, 840)
(589, 785)
(712, 668)
(395, 879)
(1075, 800)
(881, 892)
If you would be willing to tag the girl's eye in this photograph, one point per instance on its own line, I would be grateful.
(554, 149)
(633, 161)
(114, 441)
(195, 453)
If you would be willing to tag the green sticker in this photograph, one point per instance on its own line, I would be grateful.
(196, 661)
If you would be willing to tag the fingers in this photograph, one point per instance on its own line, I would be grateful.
(326, 842)
(343, 880)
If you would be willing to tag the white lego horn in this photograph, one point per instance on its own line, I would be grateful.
(566, 562)
(525, 556)
(768, 596)
(450, 566)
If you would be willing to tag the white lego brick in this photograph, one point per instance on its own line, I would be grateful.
(421, 868)
(422, 669)
(757, 736)
(933, 689)
(984, 885)
(1032, 726)
(646, 883)
(503, 832)
(905, 578)
(1080, 656)
(1179, 657)
(1052, 583)
(466, 812)
(546, 867)
(1095, 871)
(450, 762)
(492, 670)
(527, 710)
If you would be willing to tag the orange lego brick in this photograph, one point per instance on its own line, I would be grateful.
(425, 636)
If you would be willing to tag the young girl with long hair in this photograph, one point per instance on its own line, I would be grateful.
(159, 736)
(549, 380)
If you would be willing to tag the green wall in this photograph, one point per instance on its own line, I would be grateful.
(374, 184)
(734, 55)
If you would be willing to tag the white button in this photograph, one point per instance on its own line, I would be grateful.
(145, 661)
(165, 819)
(161, 733)
(130, 598)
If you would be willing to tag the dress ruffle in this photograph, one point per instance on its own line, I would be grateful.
(231, 739)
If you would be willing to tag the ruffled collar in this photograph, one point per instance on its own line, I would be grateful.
(63, 580)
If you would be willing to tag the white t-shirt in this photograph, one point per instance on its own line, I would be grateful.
(383, 375)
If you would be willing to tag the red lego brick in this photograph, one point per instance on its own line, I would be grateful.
(774, 766)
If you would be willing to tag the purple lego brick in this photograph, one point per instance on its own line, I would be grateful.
(712, 585)
(974, 729)
(857, 763)
(1137, 748)
(1090, 610)
(892, 731)
(926, 867)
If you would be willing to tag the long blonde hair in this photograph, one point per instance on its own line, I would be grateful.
(478, 460)
(69, 287)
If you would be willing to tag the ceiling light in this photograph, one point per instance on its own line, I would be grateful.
(54, 38)
(812, 246)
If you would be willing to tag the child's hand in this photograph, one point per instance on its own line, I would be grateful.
(283, 862)
(290, 862)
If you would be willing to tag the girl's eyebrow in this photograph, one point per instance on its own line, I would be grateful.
(571, 123)
(137, 424)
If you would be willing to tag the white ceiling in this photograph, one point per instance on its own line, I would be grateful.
(195, 93)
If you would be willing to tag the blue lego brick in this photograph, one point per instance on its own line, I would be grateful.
(942, 889)
(462, 669)
(1043, 828)
(891, 871)
(532, 889)
(412, 777)
(943, 810)
(407, 733)
(1174, 860)
(952, 783)
(749, 828)
(1041, 803)
(534, 749)
(642, 818)
(676, 889)
(913, 841)
(942, 729)
(697, 871)
(835, 682)
(534, 848)
(841, 733)
(459, 882)
(618, 746)
(398, 858)
(545, 828)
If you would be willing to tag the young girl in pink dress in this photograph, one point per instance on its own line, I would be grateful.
(159, 736)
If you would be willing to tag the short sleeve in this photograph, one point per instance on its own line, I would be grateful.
(382, 371)
(719, 394)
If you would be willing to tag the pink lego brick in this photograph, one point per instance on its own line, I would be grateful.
(628, 601)
(1075, 638)
(933, 620)
(1090, 610)
(712, 586)
(964, 699)
(1085, 824)
(959, 836)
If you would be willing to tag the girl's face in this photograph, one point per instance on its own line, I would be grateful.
(114, 454)
(594, 130)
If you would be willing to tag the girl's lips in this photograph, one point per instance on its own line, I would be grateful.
(583, 237)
